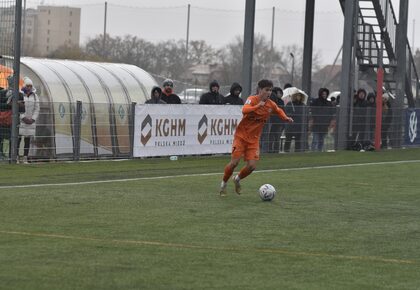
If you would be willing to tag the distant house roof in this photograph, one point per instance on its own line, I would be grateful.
(327, 73)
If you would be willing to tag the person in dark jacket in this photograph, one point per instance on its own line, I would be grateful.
(295, 109)
(371, 116)
(5, 108)
(322, 113)
(357, 136)
(386, 120)
(212, 97)
(156, 97)
(234, 97)
(168, 95)
(270, 138)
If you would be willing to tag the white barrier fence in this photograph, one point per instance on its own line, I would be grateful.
(184, 130)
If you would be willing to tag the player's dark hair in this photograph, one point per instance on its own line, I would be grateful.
(265, 84)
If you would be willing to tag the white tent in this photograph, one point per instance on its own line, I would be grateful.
(106, 91)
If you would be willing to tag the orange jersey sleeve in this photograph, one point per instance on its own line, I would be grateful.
(254, 118)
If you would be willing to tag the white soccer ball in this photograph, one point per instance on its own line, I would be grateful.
(267, 192)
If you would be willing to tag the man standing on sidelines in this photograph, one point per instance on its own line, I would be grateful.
(246, 142)
(168, 95)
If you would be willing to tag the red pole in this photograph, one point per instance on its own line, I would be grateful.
(378, 127)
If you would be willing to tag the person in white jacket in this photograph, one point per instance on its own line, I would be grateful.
(28, 118)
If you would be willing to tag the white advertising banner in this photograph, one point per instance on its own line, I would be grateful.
(162, 130)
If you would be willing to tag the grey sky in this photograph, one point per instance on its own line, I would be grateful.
(219, 21)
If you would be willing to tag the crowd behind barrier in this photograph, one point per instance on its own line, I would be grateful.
(109, 140)
(74, 136)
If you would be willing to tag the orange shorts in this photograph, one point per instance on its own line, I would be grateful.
(250, 151)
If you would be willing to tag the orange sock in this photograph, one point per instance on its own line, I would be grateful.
(245, 171)
(228, 173)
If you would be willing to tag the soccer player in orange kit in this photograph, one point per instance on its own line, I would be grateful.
(246, 142)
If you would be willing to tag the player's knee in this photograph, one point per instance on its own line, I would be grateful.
(233, 164)
(252, 167)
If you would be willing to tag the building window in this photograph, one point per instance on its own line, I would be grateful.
(70, 24)
(29, 30)
(71, 13)
(49, 22)
(48, 32)
(48, 40)
(48, 48)
(49, 11)
(69, 33)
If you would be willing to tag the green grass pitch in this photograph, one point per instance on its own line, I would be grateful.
(160, 224)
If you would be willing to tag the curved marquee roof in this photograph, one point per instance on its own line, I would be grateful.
(89, 82)
(106, 91)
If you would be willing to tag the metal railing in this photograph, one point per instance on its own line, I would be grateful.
(71, 136)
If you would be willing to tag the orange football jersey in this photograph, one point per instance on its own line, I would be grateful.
(254, 118)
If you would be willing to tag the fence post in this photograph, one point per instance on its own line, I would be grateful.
(77, 131)
(131, 126)
(16, 76)
(304, 129)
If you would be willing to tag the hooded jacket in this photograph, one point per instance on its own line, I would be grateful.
(153, 99)
(231, 98)
(322, 112)
(211, 98)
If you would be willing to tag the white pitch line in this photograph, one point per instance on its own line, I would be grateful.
(206, 174)
(214, 248)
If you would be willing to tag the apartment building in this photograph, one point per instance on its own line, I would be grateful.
(44, 29)
(54, 27)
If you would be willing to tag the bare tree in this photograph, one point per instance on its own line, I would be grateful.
(202, 53)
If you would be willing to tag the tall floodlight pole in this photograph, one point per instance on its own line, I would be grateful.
(308, 46)
(16, 77)
(188, 31)
(248, 48)
(346, 90)
(104, 38)
(272, 28)
(293, 68)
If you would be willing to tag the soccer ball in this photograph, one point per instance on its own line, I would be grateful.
(267, 192)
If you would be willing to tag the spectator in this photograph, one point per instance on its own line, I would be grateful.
(357, 137)
(212, 97)
(168, 95)
(322, 113)
(371, 116)
(155, 97)
(272, 131)
(6, 112)
(5, 120)
(234, 97)
(28, 118)
(386, 120)
(295, 109)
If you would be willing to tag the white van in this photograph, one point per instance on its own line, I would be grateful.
(191, 96)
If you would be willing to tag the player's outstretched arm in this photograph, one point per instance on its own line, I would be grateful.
(282, 114)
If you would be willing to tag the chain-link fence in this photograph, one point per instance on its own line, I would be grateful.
(7, 42)
(66, 131)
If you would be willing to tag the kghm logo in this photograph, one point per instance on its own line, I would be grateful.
(121, 112)
(146, 130)
(412, 127)
(202, 129)
(61, 110)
